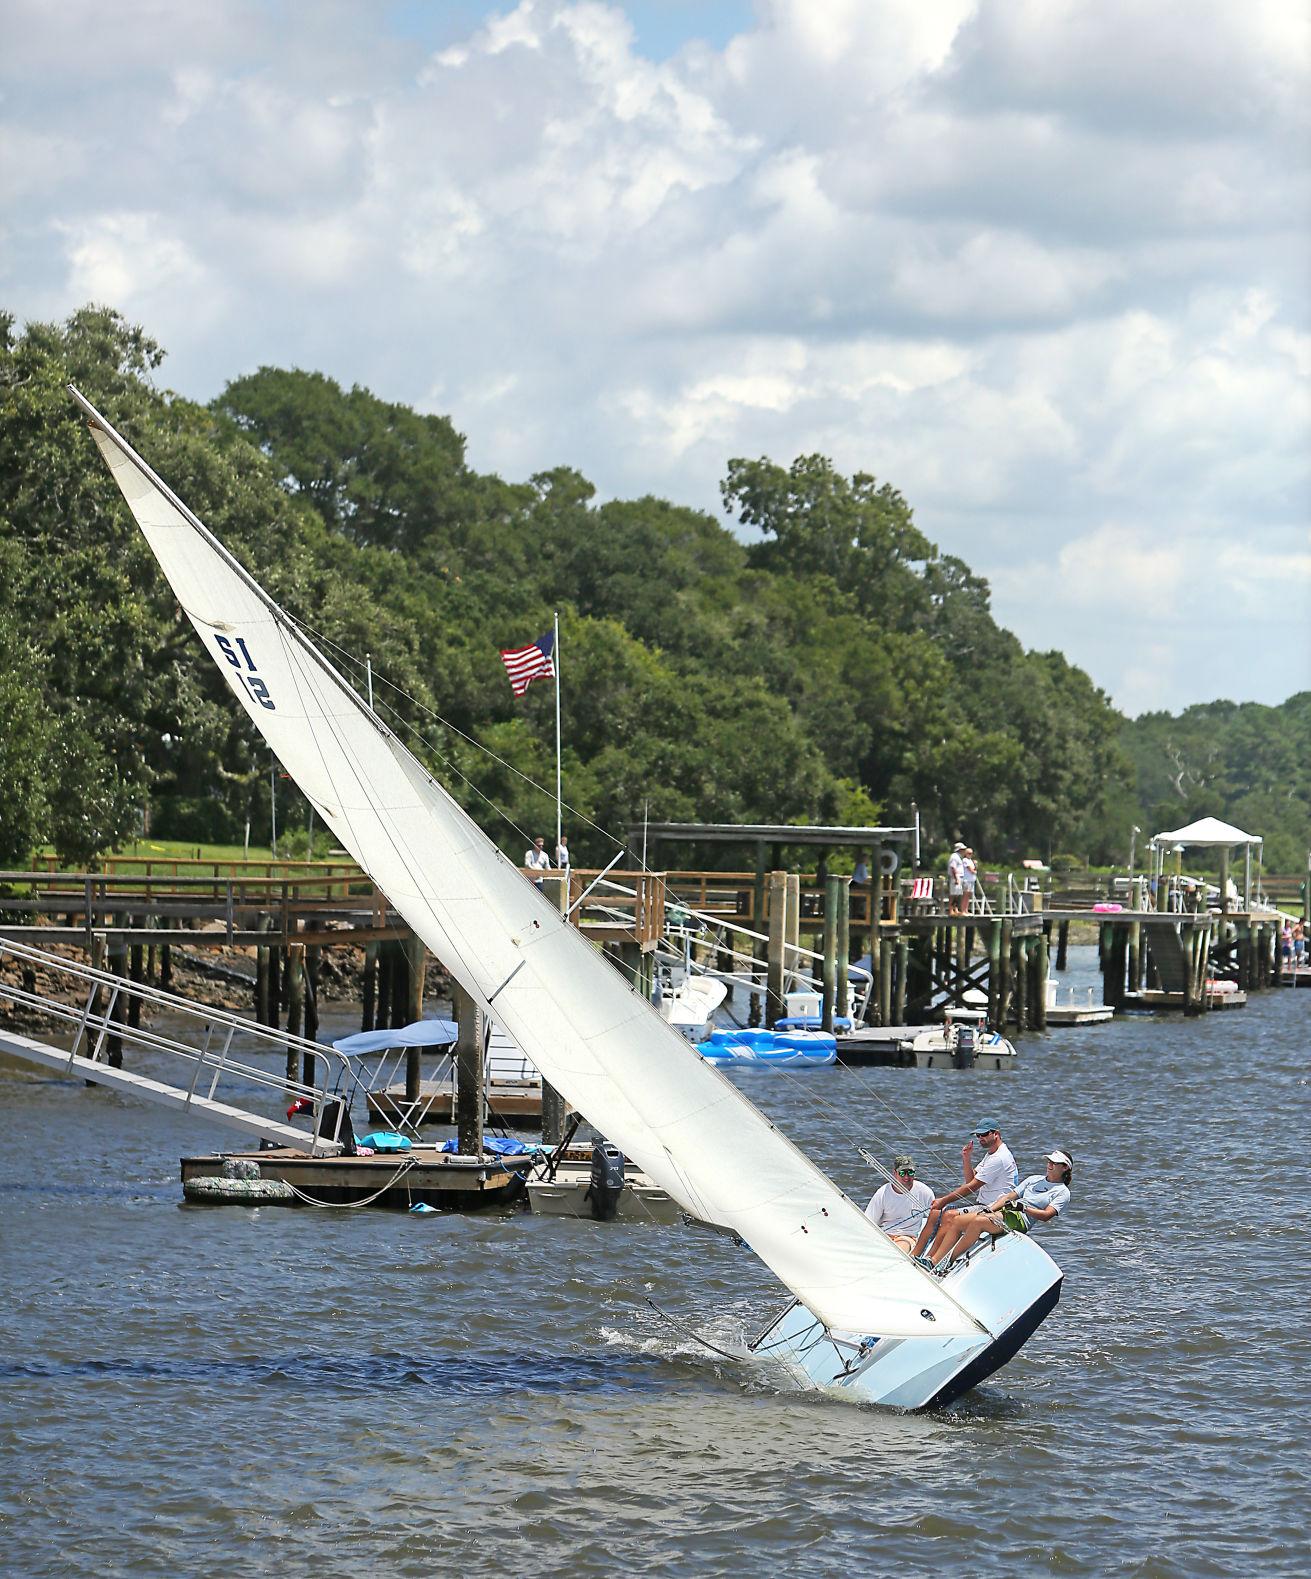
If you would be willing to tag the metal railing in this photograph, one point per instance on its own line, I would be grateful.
(102, 1019)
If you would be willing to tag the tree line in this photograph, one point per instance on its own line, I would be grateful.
(834, 668)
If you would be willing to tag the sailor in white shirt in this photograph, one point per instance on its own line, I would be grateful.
(995, 1173)
(1039, 1199)
(900, 1206)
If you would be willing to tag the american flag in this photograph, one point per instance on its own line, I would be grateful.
(526, 664)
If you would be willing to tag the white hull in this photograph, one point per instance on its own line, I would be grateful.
(566, 1196)
(690, 1008)
(932, 1050)
(1009, 1284)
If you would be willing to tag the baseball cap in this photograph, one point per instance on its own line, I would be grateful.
(1057, 1156)
(903, 1164)
(982, 1129)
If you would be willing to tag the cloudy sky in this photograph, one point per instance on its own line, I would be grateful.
(1044, 265)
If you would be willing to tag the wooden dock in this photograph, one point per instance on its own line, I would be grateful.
(398, 1181)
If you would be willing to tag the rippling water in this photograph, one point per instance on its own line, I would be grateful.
(194, 1390)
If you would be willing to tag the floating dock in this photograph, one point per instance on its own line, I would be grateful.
(422, 1176)
(1079, 1014)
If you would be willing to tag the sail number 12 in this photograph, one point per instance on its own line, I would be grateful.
(238, 655)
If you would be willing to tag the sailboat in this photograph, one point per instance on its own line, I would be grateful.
(865, 1323)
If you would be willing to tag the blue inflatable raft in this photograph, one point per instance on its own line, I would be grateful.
(769, 1049)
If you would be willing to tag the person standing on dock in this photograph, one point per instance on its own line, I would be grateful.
(562, 853)
(536, 859)
(969, 877)
(956, 880)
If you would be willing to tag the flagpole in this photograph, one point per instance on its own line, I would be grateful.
(558, 822)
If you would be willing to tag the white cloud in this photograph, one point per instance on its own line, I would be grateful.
(1042, 264)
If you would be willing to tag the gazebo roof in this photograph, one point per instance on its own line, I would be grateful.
(1209, 832)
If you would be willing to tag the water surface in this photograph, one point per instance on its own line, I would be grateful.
(199, 1389)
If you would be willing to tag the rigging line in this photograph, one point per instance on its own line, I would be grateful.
(399, 846)
(381, 679)
(579, 816)
(453, 768)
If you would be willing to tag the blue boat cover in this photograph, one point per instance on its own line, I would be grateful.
(423, 1033)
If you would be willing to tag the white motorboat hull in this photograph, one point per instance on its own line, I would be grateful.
(690, 1008)
(1009, 1284)
(641, 1201)
(933, 1051)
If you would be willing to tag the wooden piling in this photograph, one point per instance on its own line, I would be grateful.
(844, 947)
(994, 975)
(832, 898)
(416, 961)
(777, 946)
(313, 955)
(137, 973)
(887, 949)
(262, 976)
(899, 1002)
(1022, 1003)
(1040, 975)
(1062, 945)
(370, 987)
(118, 1008)
(1007, 972)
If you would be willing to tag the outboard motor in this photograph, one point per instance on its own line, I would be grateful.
(962, 1053)
(607, 1183)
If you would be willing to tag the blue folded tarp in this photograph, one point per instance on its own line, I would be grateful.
(423, 1033)
(495, 1145)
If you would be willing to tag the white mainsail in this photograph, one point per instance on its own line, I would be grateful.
(594, 1038)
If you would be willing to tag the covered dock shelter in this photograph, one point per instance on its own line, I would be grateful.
(1209, 833)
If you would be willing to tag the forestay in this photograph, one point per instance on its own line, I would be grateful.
(588, 1032)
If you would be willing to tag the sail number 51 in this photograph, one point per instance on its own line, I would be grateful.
(238, 655)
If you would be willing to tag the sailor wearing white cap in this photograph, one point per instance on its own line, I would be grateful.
(1038, 1199)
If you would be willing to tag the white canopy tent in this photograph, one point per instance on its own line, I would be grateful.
(1211, 834)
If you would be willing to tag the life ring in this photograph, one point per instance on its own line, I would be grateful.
(889, 861)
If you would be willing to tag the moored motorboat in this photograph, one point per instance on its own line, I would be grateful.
(962, 1041)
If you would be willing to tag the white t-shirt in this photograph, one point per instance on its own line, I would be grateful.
(537, 860)
(900, 1211)
(562, 857)
(997, 1173)
(956, 870)
(1038, 1190)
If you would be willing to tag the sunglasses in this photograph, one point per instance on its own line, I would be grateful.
(905, 1173)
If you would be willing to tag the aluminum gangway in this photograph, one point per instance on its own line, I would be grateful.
(199, 1065)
